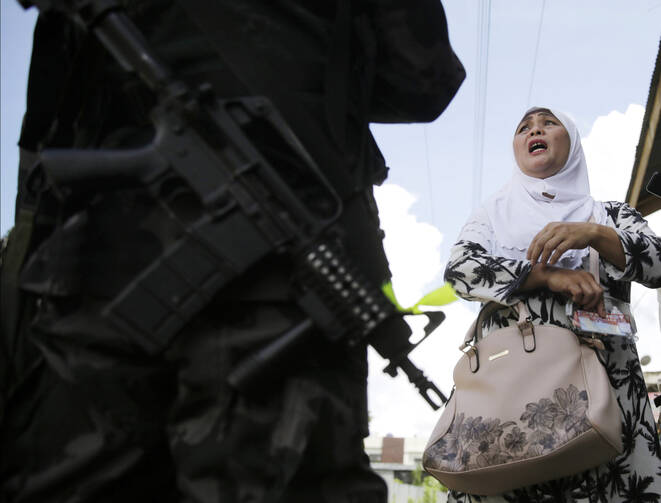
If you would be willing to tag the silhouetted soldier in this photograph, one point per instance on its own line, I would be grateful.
(92, 415)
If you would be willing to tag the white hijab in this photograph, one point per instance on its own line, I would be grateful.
(518, 211)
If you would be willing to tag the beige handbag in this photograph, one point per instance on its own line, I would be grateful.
(530, 404)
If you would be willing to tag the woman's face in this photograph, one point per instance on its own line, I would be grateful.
(541, 144)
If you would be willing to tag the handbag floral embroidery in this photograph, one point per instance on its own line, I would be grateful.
(476, 442)
(531, 403)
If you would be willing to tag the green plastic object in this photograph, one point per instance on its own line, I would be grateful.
(439, 297)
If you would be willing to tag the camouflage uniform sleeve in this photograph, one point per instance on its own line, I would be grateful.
(417, 73)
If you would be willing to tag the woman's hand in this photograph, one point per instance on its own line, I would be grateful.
(579, 286)
(558, 237)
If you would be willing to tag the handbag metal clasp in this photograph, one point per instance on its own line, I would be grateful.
(592, 341)
(473, 357)
(528, 333)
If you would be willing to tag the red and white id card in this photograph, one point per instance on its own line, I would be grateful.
(611, 324)
(618, 321)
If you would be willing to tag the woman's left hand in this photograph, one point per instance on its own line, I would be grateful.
(558, 237)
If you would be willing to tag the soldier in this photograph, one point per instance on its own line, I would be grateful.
(90, 414)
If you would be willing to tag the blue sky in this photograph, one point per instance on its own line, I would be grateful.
(594, 57)
(595, 61)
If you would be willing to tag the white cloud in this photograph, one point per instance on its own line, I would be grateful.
(412, 247)
(610, 149)
(394, 403)
(645, 307)
(413, 250)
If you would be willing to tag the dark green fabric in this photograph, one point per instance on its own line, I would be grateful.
(14, 250)
(95, 420)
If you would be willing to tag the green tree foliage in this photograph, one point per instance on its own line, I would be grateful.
(431, 489)
(416, 476)
(431, 486)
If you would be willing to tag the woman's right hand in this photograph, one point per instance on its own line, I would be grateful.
(579, 286)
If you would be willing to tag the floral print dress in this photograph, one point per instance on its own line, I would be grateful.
(476, 274)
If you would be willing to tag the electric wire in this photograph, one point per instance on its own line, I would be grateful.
(482, 65)
(429, 178)
(534, 59)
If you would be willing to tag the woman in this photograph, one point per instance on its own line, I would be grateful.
(531, 242)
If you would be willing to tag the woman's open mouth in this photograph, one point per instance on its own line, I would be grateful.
(537, 147)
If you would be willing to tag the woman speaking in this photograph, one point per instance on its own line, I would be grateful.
(530, 242)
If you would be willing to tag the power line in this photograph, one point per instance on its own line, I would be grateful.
(482, 65)
(429, 180)
(534, 59)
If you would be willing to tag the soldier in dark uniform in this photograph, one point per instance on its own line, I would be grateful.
(89, 415)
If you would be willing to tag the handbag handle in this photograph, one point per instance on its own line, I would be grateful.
(594, 265)
(474, 333)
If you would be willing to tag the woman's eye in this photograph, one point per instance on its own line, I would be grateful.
(523, 128)
(550, 122)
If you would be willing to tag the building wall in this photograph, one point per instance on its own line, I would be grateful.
(392, 450)
(395, 459)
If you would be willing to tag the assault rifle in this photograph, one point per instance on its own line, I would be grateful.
(240, 186)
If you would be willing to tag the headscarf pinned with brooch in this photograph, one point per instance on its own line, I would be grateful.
(519, 210)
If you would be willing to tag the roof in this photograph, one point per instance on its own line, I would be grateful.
(648, 151)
